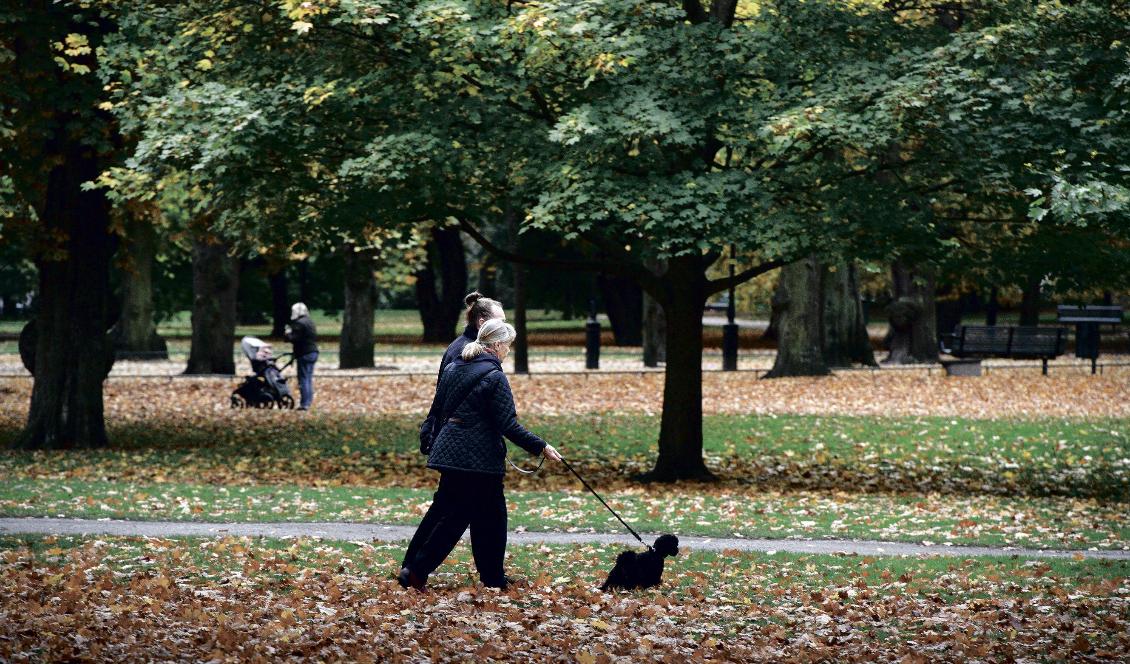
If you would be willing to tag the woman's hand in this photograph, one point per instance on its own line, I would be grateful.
(550, 452)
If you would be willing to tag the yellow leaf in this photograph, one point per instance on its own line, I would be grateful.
(600, 624)
(204, 64)
(106, 106)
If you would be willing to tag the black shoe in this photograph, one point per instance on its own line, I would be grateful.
(408, 579)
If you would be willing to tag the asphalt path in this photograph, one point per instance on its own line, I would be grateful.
(366, 532)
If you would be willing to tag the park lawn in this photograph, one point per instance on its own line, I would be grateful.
(1078, 458)
(118, 598)
(1029, 522)
(385, 321)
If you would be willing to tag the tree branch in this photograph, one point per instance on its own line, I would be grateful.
(606, 267)
(718, 285)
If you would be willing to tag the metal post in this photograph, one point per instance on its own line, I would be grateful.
(730, 329)
(592, 338)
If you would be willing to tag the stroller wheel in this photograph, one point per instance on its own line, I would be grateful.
(237, 401)
(285, 402)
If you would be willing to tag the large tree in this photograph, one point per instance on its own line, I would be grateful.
(651, 134)
(56, 140)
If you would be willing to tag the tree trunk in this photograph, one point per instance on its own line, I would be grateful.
(303, 283)
(913, 333)
(135, 335)
(521, 347)
(73, 352)
(776, 308)
(992, 308)
(623, 302)
(248, 304)
(654, 332)
(846, 341)
(521, 341)
(280, 304)
(356, 345)
(1030, 302)
(949, 309)
(440, 303)
(680, 434)
(215, 283)
(800, 347)
(488, 269)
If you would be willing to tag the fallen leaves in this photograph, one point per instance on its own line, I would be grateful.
(1001, 394)
(115, 599)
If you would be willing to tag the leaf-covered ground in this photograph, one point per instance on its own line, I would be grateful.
(1019, 393)
(1008, 459)
(128, 598)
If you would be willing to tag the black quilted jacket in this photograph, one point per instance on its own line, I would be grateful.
(455, 350)
(471, 438)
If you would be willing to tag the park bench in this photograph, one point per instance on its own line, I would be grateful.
(971, 343)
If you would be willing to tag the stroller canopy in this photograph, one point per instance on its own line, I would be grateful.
(255, 348)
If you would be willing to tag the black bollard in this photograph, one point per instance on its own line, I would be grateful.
(730, 329)
(730, 347)
(592, 339)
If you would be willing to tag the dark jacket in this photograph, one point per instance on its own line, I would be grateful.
(470, 439)
(303, 336)
(455, 350)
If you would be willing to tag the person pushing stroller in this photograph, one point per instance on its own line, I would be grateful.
(304, 337)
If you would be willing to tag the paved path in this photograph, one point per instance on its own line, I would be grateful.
(369, 532)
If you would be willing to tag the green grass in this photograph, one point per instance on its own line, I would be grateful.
(385, 321)
(804, 572)
(860, 454)
(981, 520)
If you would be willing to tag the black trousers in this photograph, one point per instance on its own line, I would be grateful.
(463, 500)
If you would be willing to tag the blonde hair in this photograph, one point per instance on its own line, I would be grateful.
(298, 310)
(493, 333)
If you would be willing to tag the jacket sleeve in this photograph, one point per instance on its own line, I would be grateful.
(428, 426)
(297, 332)
(505, 417)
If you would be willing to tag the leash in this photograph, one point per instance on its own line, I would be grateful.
(526, 472)
(637, 535)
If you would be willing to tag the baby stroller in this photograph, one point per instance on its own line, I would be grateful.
(267, 388)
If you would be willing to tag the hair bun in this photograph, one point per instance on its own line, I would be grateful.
(471, 298)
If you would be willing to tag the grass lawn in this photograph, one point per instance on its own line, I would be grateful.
(1042, 522)
(1025, 483)
(385, 322)
(118, 598)
(1076, 458)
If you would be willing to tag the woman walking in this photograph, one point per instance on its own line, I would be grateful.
(480, 309)
(472, 411)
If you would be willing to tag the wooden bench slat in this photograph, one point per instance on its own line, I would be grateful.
(1007, 341)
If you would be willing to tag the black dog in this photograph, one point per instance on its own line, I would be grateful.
(642, 570)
